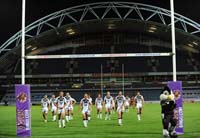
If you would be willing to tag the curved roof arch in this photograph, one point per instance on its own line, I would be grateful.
(78, 14)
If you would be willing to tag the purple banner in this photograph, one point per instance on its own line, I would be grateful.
(176, 88)
(23, 119)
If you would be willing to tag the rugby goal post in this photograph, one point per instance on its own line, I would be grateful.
(173, 54)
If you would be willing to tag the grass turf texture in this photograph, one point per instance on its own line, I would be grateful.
(149, 127)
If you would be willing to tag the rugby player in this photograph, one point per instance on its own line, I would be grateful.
(53, 107)
(73, 102)
(60, 103)
(127, 103)
(68, 106)
(108, 103)
(98, 105)
(85, 105)
(120, 100)
(45, 107)
(139, 100)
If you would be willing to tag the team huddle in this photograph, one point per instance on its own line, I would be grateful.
(63, 107)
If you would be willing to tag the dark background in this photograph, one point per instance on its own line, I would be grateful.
(10, 11)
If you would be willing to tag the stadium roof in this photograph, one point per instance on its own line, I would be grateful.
(100, 11)
(11, 21)
(93, 18)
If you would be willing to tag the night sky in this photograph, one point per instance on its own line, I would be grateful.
(10, 11)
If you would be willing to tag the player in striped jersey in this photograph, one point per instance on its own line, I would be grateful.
(45, 107)
(120, 100)
(98, 104)
(60, 103)
(85, 105)
(108, 103)
(139, 100)
(127, 103)
(68, 106)
(73, 101)
(53, 107)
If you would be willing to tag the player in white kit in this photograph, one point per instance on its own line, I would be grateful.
(127, 103)
(89, 112)
(108, 103)
(45, 107)
(60, 103)
(98, 104)
(139, 100)
(68, 106)
(120, 100)
(73, 102)
(85, 105)
(53, 107)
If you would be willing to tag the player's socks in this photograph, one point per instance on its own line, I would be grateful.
(67, 118)
(109, 116)
(89, 117)
(59, 123)
(106, 116)
(71, 117)
(97, 114)
(63, 122)
(100, 115)
(120, 121)
(165, 133)
(139, 118)
(85, 123)
(54, 118)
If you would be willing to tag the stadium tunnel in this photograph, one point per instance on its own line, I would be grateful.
(121, 27)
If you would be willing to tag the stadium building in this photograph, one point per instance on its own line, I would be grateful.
(103, 28)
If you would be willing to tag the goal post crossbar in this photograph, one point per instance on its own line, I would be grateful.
(97, 55)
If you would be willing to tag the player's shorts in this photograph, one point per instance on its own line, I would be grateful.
(61, 110)
(45, 109)
(53, 109)
(138, 105)
(71, 108)
(67, 108)
(120, 109)
(127, 104)
(85, 111)
(99, 107)
(108, 106)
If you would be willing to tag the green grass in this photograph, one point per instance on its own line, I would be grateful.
(149, 127)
